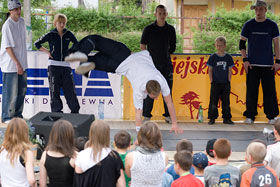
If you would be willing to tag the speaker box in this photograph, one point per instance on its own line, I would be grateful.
(43, 122)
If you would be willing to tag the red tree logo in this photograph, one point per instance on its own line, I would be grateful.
(188, 99)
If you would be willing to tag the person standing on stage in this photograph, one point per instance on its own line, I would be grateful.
(13, 63)
(260, 32)
(59, 72)
(159, 38)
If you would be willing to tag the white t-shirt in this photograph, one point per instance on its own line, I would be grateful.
(139, 69)
(273, 157)
(13, 35)
(85, 160)
(12, 175)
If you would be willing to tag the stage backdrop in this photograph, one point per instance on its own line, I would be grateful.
(191, 88)
(100, 86)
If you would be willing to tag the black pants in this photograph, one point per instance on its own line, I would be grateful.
(110, 53)
(62, 77)
(219, 90)
(266, 76)
(167, 72)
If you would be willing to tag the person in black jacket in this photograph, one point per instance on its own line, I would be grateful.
(59, 72)
(159, 38)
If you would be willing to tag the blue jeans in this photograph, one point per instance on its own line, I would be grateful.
(13, 93)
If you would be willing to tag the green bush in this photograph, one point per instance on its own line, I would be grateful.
(224, 23)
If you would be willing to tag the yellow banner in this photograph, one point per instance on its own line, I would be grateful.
(191, 88)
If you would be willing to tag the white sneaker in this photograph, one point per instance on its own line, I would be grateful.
(7, 122)
(77, 56)
(271, 121)
(85, 68)
(168, 120)
(248, 121)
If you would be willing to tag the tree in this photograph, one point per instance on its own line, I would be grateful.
(81, 3)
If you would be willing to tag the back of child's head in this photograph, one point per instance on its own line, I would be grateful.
(80, 142)
(222, 148)
(210, 147)
(122, 139)
(149, 136)
(260, 141)
(257, 151)
(200, 160)
(221, 39)
(185, 145)
(184, 159)
(277, 126)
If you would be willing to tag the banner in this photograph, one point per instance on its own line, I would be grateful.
(191, 88)
(99, 87)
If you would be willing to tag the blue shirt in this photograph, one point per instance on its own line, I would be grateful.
(260, 36)
(220, 65)
(172, 172)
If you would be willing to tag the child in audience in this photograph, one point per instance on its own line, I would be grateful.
(200, 162)
(146, 164)
(209, 151)
(258, 174)
(272, 158)
(16, 157)
(122, 142)
(80, 142)
(186, 145)
(222, 173)
(98, 165)
(183, 162)
(57, 161)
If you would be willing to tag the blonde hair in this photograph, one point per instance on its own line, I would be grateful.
(16, 140)
(153, 87)
(257, 151)
(59, 17)
(99, 138)
(221, 39)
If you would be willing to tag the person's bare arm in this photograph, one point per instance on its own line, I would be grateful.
(43, 49)
(276, 66)
(29, 160)
(171, 110)
(11, 53)
(244, 55)
(128, 163)
(121, 180)
(138, 117)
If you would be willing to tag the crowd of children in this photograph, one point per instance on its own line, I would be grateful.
(94, 162)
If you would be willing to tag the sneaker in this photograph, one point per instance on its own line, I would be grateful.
(85, 68)
(168, 119)
(228, 121)
(271, 121)
(7, 122)
(248, 121)
(146, 119)
(77, 56)
(211, 122)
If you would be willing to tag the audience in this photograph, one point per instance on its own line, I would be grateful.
(183, 162)
(258, 174)
(122, 143)
(200, 162)
(272, 158)
(222, 173)
(57, 161)
(209, 152)
(146, 164)
(16, 157)
(185, 145)
(98, 165)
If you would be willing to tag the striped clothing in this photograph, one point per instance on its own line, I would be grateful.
(259, 175)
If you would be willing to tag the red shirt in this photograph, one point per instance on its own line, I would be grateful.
(187, 181)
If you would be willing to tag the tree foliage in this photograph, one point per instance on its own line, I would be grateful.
(224, 23)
